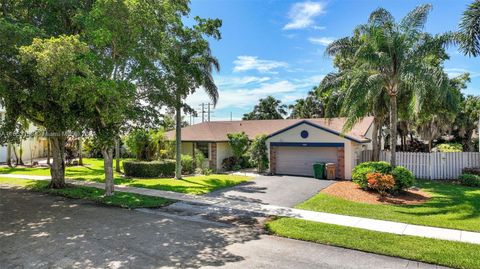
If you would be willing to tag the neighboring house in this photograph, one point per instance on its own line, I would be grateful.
(293, 144)
(33, 147)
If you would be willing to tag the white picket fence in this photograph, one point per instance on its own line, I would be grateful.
(435, 165)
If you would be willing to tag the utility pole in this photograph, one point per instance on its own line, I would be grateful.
(208, 115)
(203, 112)
(231, 116)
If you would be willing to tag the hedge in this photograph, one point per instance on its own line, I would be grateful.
(164, 168)
(469, 180)
(471, 170)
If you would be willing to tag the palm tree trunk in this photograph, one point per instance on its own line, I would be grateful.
(375, 147)
(117, 155)
(107, 153)
(178, 141)
(57, 169)
(9, 155)
(393, 128)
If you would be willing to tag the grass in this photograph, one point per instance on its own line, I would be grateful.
(93, 171)
(452, 254)
(119, 199)
(451, 206)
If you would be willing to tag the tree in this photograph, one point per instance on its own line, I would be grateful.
(52, 70)
(259, 153)
(469, 36)
(268, 108)
(38, 78)
(239, 144)
(467, 120)
(187, 66)
(308, 108)
(393, 58)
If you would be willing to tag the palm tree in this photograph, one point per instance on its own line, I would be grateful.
(308, 108)
(470, 30)
(268, 108)
(190, 65)
(391, 58)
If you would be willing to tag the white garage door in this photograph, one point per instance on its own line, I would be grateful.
(299, 160)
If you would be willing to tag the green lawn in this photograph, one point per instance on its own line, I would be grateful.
(453, 254)
(451, 206)
(93, 171)
(120, 199)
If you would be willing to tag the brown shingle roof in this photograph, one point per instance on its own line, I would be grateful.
(216, 131)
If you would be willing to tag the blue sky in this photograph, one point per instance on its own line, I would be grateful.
(276, 47)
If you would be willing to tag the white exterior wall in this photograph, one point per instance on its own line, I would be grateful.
(223, 151)
(317, 135)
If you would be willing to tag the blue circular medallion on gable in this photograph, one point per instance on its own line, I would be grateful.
(304, 134)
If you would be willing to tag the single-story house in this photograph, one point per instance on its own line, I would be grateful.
(293, 144)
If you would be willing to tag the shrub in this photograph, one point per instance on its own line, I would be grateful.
(469, 180)
(229, 163)
(187, 164)
(199, 159)
(471, 170)
(92, 148)
(359, 173)
(404, 178)
(164, 168)
(258, 153)
(382, 183)
(139, 143)
(239, 143)
(450, 147)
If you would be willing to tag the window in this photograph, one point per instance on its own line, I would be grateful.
(203, 148)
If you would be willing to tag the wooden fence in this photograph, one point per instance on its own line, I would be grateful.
(435, 165)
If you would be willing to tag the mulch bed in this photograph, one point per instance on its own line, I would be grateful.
(351, 191)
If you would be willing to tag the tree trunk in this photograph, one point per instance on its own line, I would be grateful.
(107, 153)
(9, 155)
(178, 142)
(15, 154)
(48, 152)
(20, 153)
(117, 155)
(430, 145)
(80, 151)
(375, 146)
(57, 169)
(393, 128)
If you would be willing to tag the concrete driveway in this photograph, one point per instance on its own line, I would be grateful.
(41, 231)
(275, 190)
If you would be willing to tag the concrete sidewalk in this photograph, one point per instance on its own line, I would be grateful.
(272, 210)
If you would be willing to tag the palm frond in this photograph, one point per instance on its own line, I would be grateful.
(415, 20)
(470, 30)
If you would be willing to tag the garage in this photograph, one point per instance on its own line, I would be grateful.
(299, 160)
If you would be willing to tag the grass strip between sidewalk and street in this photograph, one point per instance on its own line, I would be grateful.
(119, 199)
(441, 252)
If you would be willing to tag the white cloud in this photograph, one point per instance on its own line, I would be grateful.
(455, 72)
(324, 41)
(301, 14)
(316, 27)
(243, 97)
(230, 82)
(245, 63)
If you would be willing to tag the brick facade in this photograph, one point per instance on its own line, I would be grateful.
(341, 163)
(213, 156)
(273, 160)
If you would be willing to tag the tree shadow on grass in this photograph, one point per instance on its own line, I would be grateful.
(44, 231)
(463, 203)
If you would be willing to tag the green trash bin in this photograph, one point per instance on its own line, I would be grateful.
(319, 170)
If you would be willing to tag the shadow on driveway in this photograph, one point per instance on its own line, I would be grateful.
(285, 191)
(41, 231)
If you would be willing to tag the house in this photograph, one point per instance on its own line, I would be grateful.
(31, 148)
(293, 144)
